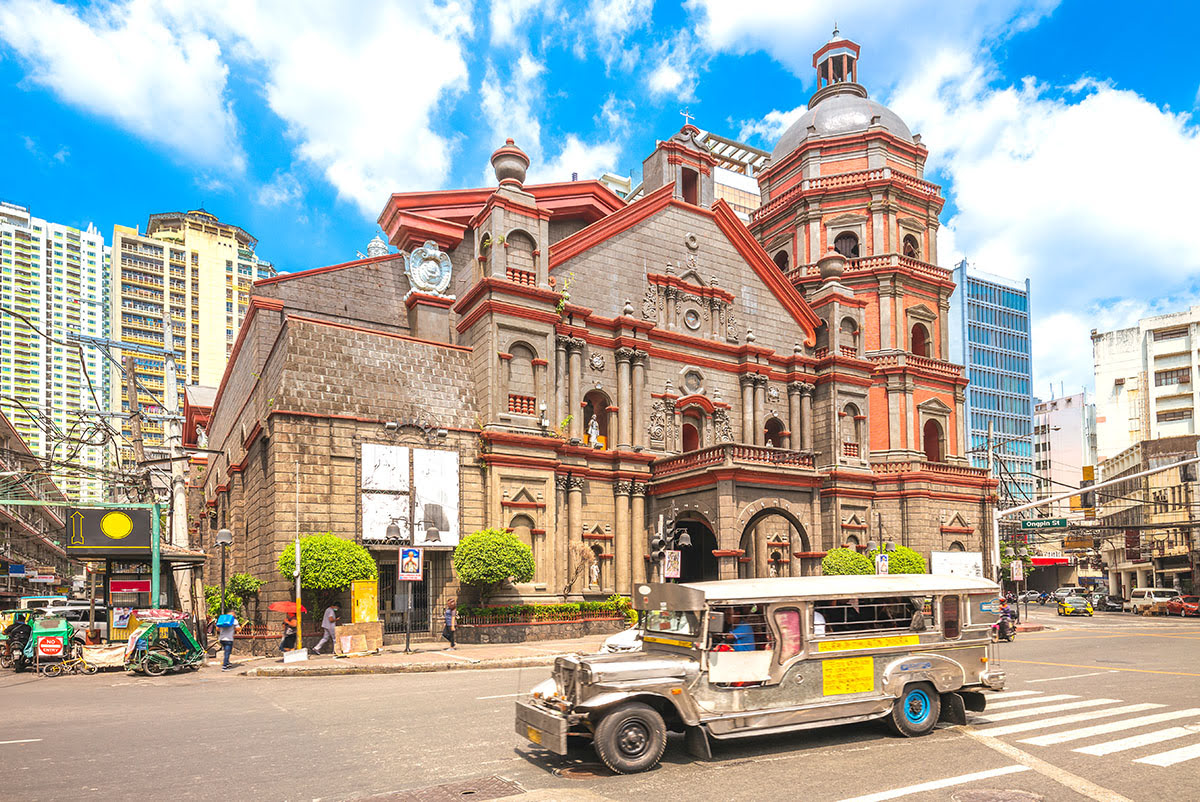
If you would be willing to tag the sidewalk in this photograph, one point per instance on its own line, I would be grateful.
(425, 657)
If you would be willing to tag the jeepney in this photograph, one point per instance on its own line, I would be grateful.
(748, 657)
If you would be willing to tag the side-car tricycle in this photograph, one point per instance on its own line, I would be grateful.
(157, 647)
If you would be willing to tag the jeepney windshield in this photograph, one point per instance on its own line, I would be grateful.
(672, 622)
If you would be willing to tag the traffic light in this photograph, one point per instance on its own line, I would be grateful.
(657, 548)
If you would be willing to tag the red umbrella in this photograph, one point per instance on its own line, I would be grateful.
(285, 607)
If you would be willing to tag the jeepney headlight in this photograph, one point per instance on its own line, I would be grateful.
(585, 675)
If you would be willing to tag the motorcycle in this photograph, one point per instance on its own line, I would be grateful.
(1005, 629)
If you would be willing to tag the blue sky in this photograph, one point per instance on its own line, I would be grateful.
(1063, 133)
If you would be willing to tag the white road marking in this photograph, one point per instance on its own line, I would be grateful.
(1055, 721)
(1036, 700)
(1012, 694)
(1037, 711)
(459, 657)
(1134, 741)
(933, 785)
(500, 696)
(1048, 770)
(1116, 726)
(1072, 676)
(1171, 758)
(23, 741)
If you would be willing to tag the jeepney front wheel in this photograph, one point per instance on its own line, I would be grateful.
(916, 711)
(631, 738)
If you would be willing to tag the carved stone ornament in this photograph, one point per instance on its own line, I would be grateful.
(731, 326)
(657, 427)
(596, 361)
(722, 425)
(691, 241)
(428, 269)
(650, 303)
(772, 393)
(623, 487)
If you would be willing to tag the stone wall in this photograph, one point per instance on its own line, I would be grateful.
(549, 630)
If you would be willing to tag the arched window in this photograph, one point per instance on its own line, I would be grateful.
(850, 424)
(846, 244)
(519, 259)
(920, 340)
(851, 541)
(912, 249)
(522, 398)
(849, 337)
(690, 431)
(931, 440)
(522, 527)
(595, 408)
(773, 433)
(781, 260)
(957, 546)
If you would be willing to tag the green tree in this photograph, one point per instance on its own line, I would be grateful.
(488, 557)
(901, 561)
(845, 561)
(328, 564)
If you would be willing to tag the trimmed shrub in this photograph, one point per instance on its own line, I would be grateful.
(838, 562)
(328, 564)
(901, 561)
(489, 557)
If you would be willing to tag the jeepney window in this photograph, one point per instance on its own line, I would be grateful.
(673, 622)
(950, 616)
(788, 622)
(851, 616)
(745, 630)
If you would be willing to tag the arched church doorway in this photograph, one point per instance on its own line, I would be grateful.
(769, 542)
(697, 561)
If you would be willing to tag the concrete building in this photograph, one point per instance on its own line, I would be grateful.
(1064, 442)
(55, 277)
(989, 334)
(555, 361)
(1145, 384)
(1148, 539)
(191, 269)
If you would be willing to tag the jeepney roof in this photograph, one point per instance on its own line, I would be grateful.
(825, 586)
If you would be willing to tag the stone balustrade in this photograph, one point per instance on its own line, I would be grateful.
(731, 454)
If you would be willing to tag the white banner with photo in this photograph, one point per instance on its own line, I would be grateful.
(384, 467)
(435, 482)
(379, 510)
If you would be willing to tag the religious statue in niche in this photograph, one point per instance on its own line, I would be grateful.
(595, 573)
(593, 431)
(428, 269)
(201, 437)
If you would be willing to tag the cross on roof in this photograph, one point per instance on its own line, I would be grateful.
(687, 116)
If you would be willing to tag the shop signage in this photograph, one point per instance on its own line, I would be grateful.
(129, 586)
(1133, 546)
(108, 532)
(1045, 524)
(411, 564)
(1079, 542)
(16, 570)
(41, 579)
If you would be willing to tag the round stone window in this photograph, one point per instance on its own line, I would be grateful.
(691, 319)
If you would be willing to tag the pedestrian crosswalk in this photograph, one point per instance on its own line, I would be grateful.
(1085, 725)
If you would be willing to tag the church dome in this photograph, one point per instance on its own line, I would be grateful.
(842, 113)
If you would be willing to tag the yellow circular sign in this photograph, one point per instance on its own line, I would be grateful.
(116, 525)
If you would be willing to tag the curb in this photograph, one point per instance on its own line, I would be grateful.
(401, 668)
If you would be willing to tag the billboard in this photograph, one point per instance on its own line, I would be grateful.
(425, 507)
(956, 563)
(108, 532)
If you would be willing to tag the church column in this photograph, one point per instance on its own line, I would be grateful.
(624, 355)
(672, 294)
(760, 403)
(943, 324)
(747, 382)
(806, 416)
(638, 413)
(640, 543)
(560, 379)
(556, 576)
(795, 421)
(540, 390)
(575, 532)
(574, 382)
(621, 535)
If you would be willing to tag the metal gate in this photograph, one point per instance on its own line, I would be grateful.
(428, 596)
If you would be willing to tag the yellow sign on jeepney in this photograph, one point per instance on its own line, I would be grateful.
(848, 675)
(364, 601)
(867, 643)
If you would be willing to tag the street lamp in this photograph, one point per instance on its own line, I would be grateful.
(224, 540)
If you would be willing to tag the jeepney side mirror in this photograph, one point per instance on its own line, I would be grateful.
(716, 623)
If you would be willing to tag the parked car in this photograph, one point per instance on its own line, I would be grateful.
(1141, 598)
(1068, 590)
(1029, 596)
(1074, 605)
(80, 614)
(627, 640)
(1184, 605)
(1107, 604)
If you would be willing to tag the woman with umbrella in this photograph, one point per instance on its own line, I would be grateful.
(289, 623)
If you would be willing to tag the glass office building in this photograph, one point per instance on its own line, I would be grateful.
(989, 335)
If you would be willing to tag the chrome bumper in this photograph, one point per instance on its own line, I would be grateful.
(993, 678)
(546, 728)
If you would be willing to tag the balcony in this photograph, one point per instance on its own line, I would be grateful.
(731, 454)
(865, 264)
(860, 178)
(917, 466)
(884, 360)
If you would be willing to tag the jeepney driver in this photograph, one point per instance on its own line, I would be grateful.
(740, 632)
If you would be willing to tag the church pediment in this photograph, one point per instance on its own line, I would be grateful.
(934, 406)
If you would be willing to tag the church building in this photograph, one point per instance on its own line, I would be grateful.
(587, 372)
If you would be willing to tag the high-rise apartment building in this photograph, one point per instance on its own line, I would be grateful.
(1064, 443)
(989, 335)
(53, 284)
(1145, 384)
(184, 284)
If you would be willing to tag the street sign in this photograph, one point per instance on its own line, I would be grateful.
(50, 646)
(671, 563)
(16, 570)
(881, 563)
(108, 532)
(1045, 524)
(412, 560)
(1079, 542)
(1017, 570)
(41, 579)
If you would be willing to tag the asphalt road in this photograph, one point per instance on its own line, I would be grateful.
(1103, 708)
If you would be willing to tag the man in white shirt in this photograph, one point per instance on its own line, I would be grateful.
(328, 625)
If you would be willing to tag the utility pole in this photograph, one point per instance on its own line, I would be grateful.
(135, 420)
(994, 547)
(174, 428)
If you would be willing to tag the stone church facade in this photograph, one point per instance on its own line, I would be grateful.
(582, 371)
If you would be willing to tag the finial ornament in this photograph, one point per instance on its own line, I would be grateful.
(687, 116)
(836, 32)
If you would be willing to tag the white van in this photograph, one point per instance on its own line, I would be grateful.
(1141, 598)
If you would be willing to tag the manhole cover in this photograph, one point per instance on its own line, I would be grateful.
(996, 795)
(584, 771)
(478, 788)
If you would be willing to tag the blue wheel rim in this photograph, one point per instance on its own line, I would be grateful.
(916, 706)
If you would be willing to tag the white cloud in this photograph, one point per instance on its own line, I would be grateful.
(123, 62)
(615, 115)
(283, 189)
(609, 24)
(679, 60)
(771, 126)
(506, 16)
(576, 157)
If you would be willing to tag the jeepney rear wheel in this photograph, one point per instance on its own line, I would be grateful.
(631, 738)
(916, 711)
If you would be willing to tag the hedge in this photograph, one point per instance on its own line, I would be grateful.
(614, 606)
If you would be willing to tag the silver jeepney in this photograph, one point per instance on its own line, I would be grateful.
(759, 656)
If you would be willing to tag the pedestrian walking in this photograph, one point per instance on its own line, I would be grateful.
(329, 626)
(226, 626)
(451, 615)
(288, 642)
